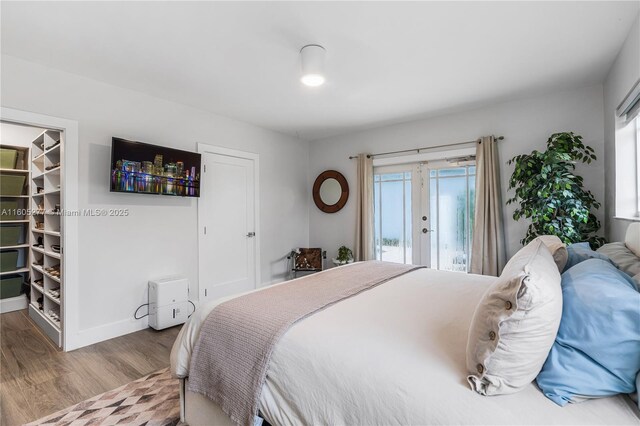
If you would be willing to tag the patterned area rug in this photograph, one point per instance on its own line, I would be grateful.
(152, 400)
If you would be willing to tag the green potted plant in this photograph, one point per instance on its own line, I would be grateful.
(345, 255)
(551, 195)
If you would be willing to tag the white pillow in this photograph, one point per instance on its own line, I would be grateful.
(557, 248)
(622, 257)
(516, 323)
(632, 238)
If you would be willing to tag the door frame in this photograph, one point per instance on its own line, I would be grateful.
(204, 148)
(71, 338)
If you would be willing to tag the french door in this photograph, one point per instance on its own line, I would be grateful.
(423, 214)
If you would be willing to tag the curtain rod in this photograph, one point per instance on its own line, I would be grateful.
(417, 150)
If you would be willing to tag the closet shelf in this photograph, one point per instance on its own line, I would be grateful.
(50, 297)
(49, 150)
(18, 246)
(37, 287)
(15, 271)
(15, 171)
(56, 279)
(18, 242)
(47, 204)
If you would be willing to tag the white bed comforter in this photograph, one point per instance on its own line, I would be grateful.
(395, 355)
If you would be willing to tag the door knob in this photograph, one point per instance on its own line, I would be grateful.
(251, 234)
(425, 230)
(424, 218)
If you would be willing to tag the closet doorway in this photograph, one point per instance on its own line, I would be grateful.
(39, 198)
(423, 213)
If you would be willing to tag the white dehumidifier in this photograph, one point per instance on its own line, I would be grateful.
(168, 302)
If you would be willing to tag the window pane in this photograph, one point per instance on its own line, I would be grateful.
(452, 239)
(627, 187)
(432, 220)
(452, 172)
(392, 217)
(392, 235)
(407, 220)
(472, 170)
(376, 217)
(391, 176)
(637, 121)
(472, 212)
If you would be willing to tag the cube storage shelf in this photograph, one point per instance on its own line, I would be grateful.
(46, 234)
(14, 239)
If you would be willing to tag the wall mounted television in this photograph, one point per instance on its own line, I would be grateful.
(151, 169)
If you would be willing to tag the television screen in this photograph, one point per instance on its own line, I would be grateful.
(150, 169)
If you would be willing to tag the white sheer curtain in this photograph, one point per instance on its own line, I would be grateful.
(364, 210)
(488, 255)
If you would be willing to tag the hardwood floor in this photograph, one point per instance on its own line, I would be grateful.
(37, 379)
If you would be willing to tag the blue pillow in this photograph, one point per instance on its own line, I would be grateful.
(597, 349)
(579, 252)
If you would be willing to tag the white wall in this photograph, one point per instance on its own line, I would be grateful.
(525, 124)
(623, 75)
(17, 135)
(119, 255)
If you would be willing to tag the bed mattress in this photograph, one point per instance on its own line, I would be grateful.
(395, 355)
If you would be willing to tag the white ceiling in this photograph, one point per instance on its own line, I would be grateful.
(387, 62)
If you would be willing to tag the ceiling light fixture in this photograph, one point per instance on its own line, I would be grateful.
(312, 61)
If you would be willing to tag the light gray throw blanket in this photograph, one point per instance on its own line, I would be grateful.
(229, 363)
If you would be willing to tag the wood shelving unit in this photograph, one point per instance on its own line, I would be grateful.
(45, 234)
(22, 267)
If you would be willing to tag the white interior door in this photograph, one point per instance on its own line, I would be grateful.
(227, 225)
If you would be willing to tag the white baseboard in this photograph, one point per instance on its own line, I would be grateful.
(13, 304)
(104, 332)
(101, 333)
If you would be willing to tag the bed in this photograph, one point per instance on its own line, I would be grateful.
(394, 354)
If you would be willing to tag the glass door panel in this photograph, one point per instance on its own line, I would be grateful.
(392, 214)
(451, 208)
